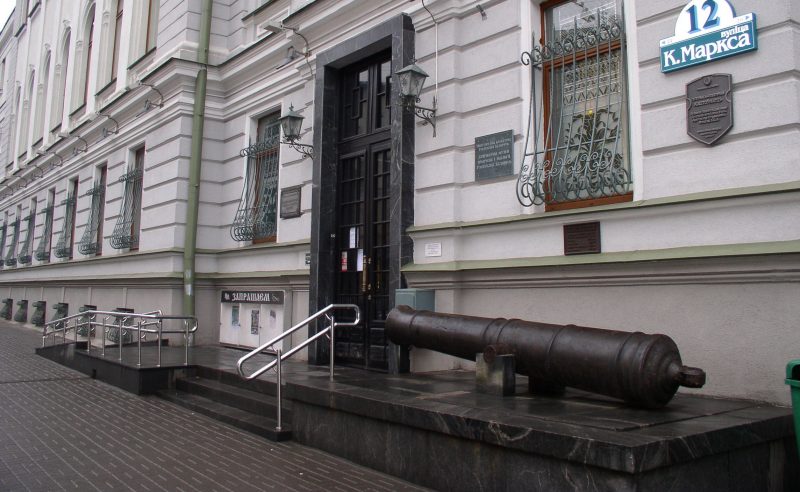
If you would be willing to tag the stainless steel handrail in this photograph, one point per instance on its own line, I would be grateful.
(151, 318)
(327, 312)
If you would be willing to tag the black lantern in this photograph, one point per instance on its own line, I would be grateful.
(412, 78)
(292, 124)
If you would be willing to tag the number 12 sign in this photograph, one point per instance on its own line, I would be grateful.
(707, 30)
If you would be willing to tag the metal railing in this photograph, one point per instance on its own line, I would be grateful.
(145, 324)
(330, 331)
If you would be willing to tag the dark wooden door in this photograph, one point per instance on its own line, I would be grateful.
(362, 229)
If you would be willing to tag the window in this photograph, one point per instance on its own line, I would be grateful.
(91, 242)
(41, 103)
(152, 25)
(126, 230)
(24, 118)
(43, 251)
(88, 36)
(30, 222)
(3, 237)
(66, 240)
(13, 124)
(60, 94)
(117, 38)
(580, 144)
(256, 216)
(11, 256)
(2, 76)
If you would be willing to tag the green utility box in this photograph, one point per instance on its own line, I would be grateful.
(793, 380)
(422, 299)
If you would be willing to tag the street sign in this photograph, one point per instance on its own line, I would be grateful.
(707, 30)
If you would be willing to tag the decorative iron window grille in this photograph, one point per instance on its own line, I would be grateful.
(43, 250)
(3, 234)
(11, 256)
(256, 217)
(25, 252)
(88, 243)
(125, 233)
(64, 244)
(576, 142)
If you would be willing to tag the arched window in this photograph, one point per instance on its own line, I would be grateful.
(117, 38)
(152, 25)
(88, 37)
(14, 118)
(24, 117)
(60, 93)
(41, 101)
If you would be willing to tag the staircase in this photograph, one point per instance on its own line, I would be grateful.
(248, 405)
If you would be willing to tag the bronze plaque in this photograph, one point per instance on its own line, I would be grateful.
(581, 239)
(290, 202)
(709, 107)
(494, 155)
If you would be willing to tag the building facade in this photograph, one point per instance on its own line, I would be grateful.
(563, 176)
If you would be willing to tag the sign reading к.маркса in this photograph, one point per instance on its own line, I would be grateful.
(707, 30)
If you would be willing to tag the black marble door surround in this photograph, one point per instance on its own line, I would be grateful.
(396, 34)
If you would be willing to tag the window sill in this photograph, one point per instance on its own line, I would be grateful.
(102, 92)
(591, 202)
(141, 58)
(34, 9)
(78, 111)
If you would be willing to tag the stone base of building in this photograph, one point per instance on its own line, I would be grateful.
(437, 431)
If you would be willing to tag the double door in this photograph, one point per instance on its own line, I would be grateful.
(363, 198)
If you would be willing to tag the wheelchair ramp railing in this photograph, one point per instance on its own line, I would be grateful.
(329, 314)
(122, 326)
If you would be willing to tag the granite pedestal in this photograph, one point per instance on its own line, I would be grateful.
(437, 431)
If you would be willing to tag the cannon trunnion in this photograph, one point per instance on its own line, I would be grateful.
(644, 370)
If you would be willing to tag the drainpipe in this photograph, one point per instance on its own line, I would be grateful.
(195, 162)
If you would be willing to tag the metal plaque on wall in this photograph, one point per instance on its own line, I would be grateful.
(290, 202)
(494, 155)
(709, 107)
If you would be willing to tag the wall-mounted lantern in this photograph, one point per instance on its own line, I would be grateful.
(412, 78)
(292, 124)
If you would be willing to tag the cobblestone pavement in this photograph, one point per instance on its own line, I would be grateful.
(60, 430)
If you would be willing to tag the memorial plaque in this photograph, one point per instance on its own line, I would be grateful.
(581, 239)
(709, 107)
(494, 155)
(290, 202)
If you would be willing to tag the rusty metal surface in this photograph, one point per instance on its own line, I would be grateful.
(643, 370)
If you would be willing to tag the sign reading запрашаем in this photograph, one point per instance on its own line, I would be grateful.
(708, 30)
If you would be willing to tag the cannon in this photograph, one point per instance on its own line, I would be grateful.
(643, 370)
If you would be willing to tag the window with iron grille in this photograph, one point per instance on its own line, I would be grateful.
(256, 217)
(11, 256)
(3, 235)
(89, 243)
(126, 230)
(25, 252)
(576, 148)
(43, 250)
(65, 239)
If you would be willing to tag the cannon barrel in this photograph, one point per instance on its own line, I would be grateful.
(644, 370)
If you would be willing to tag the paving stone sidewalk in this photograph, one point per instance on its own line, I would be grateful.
(60, 430)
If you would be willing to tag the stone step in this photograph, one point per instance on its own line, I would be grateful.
(265, 384)
(235, 396)
(247, 421)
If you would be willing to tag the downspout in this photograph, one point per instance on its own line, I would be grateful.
(195, 161)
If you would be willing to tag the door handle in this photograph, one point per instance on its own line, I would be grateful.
(364, 275)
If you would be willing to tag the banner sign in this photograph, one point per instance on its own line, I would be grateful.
(708, 30)
(257, 297)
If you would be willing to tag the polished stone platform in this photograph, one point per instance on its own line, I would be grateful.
(436, 430)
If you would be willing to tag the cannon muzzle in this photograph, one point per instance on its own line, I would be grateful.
(643, 370)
